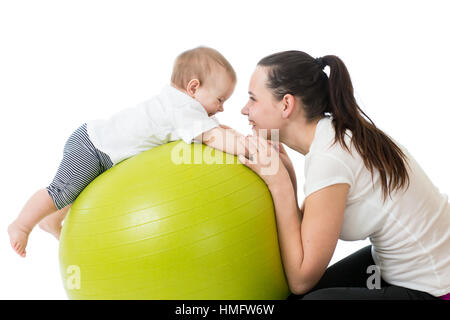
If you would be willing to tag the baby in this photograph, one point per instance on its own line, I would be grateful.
(202, 80)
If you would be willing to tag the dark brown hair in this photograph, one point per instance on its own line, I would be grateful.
(299, 74)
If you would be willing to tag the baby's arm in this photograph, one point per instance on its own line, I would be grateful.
(225, 139)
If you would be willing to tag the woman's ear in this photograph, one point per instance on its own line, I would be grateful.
(192, 87)
(287, 105)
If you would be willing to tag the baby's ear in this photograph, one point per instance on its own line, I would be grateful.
(192, 87)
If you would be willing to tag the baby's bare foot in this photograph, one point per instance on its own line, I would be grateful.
(52, 228)
(18, 237)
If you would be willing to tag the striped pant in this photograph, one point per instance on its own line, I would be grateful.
(81, 164)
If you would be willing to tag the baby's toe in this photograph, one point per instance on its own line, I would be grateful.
(19, 248)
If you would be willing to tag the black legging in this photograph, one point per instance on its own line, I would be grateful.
(347, 280)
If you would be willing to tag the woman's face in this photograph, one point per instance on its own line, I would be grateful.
(262, 109)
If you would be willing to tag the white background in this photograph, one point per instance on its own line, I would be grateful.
(65, 62)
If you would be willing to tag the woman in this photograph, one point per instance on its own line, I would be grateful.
(359, 184)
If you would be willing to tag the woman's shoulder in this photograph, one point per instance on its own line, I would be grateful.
(325, 141)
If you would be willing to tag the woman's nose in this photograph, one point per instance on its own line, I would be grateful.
(244, 110)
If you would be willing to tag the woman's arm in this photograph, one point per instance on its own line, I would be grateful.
(284, 157)
(306, 245)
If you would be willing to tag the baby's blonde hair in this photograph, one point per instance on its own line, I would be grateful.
(198, 63)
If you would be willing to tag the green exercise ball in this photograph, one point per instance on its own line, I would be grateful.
(175, 222)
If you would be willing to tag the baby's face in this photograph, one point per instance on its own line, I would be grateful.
(213, 94)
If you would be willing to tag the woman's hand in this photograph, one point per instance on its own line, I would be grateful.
(264, 159)
(278, 146)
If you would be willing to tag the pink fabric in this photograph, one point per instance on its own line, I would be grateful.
(446, 297)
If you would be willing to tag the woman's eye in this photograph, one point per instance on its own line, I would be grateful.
(253, 99)
(220, 100)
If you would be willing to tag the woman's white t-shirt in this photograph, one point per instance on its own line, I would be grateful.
(169, 116)
(410, 232)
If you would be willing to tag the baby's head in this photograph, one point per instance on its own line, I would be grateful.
(205, 75)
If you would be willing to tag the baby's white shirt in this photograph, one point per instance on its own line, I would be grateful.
(169, 116)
